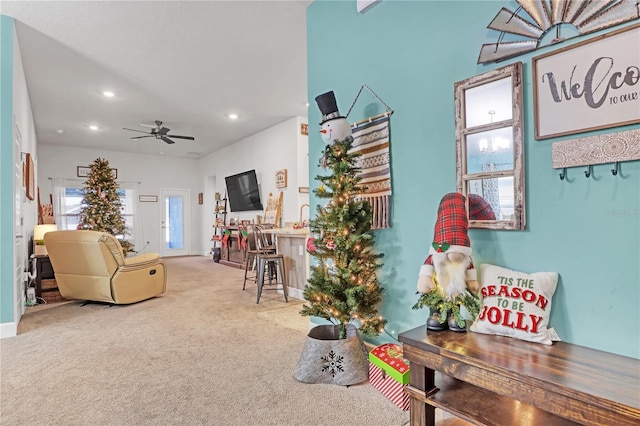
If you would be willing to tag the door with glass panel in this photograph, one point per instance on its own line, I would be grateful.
(175, 222)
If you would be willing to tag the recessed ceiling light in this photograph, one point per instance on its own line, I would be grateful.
(233, 116)
(108, 94)
(60, 131)
(93, 127)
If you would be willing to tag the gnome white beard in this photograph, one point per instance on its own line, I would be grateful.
(451, 275)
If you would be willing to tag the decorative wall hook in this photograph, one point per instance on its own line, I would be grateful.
(563, 174)
(587, 172)
(614, 171)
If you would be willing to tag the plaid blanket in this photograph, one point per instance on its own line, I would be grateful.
(371, 140)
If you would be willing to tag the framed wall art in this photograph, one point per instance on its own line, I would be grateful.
(588, 86)
(281, 178)
(29, 177)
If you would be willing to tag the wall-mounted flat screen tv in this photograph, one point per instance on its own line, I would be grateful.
(243, 192)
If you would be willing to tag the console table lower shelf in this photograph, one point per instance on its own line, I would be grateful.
(494, 380)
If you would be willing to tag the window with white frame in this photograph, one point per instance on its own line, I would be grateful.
(68, 204)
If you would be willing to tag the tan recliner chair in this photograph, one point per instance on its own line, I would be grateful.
(89, 265)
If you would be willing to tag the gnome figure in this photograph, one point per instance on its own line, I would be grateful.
(480, 209)
(333, 125)
(449, 266)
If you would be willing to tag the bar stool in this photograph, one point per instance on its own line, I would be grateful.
(252, 252)
(270, 262)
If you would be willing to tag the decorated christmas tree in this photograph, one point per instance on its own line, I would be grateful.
(343, 287)
(101, 209)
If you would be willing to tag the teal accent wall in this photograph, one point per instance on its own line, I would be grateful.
(6, 170)
(588, 230)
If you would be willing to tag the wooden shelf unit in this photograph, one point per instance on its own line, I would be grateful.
(219, 224)
(495, 380)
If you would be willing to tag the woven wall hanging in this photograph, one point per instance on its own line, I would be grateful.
(371, 139)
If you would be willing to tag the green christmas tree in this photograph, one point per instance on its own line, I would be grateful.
(343, 287)
(101, 209)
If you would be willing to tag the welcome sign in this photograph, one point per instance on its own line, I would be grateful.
(588, 86)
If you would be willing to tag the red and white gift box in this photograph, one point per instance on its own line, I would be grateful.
(389, 373)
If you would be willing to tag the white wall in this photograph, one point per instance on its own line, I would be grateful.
(22, 122)
(153, 172)
(279, 147)
(303, 168)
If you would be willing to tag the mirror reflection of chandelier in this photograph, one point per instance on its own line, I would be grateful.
(497, 143)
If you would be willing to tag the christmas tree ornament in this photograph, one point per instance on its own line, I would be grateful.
(311, 245)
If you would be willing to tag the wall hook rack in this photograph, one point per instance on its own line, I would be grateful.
(616, 168)
(609, 148)
(563, 174)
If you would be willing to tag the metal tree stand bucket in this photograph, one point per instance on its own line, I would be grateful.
(327, 359)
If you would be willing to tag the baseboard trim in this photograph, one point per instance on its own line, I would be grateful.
(8, 329)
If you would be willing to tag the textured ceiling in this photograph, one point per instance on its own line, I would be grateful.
(186, 63)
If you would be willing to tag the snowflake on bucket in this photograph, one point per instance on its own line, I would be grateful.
(333, 364)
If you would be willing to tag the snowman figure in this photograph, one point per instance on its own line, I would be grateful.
(333, 125)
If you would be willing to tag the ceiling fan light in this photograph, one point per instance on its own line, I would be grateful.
(108, 94)
(233, 116)
(93, 127)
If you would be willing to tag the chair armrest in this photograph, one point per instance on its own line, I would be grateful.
(141, 261)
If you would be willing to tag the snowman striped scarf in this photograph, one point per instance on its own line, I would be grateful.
(371, 140)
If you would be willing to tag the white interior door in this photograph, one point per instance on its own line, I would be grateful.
(175, 222)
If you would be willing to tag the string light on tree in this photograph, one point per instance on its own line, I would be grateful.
(344, 243)
(101, 205)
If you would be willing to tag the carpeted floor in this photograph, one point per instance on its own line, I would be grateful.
(203, 354)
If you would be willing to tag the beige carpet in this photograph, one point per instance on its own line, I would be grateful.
(203, 354)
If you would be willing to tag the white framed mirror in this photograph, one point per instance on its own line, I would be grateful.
(490, 148)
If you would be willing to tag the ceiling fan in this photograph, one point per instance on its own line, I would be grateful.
(158, 132)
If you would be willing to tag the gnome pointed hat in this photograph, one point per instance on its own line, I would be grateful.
(450, 234)
(328, 106)
(480, 209)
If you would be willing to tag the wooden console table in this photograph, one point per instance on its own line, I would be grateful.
(495, 380)
(44, 271)
(232, 254)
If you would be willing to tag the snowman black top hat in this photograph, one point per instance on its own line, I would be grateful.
(328, 107)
